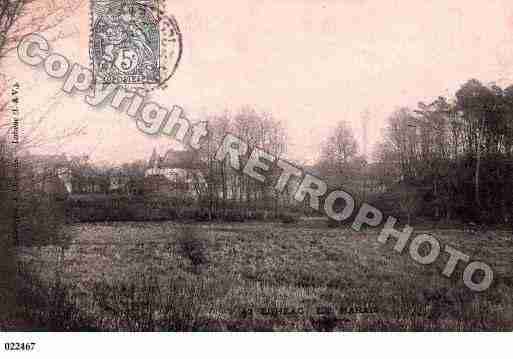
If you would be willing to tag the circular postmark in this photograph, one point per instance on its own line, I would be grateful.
(171, 47)
(134, 43)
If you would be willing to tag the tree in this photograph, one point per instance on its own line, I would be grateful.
(409, 200)
(462, 148)
(478, 104)
(21, 17)
(339, 149)
(226, 186)
(9, 13)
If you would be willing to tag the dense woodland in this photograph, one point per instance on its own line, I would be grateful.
(458, 153)
(447, 159)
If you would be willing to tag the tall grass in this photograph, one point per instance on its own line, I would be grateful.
(243, 280)
(192, 246)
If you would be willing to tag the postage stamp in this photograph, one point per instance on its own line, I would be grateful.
(131, 43)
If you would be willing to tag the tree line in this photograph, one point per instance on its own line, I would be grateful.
(455, 155)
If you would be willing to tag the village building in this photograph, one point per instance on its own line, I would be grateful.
(175, 174)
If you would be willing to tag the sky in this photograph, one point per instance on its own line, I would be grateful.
(309, 63)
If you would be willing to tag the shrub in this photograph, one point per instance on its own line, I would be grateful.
(192, 246)
(287, 218)
(234, 216)
(333, 223)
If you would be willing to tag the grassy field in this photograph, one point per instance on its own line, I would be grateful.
(263, 276)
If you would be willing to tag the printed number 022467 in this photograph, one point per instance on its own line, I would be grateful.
(20, 346)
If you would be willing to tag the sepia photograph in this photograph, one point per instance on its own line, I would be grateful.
(255, 166)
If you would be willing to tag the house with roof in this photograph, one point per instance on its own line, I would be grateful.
(175, 174)
(45, 173)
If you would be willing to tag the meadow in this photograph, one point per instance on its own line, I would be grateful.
(258, 276)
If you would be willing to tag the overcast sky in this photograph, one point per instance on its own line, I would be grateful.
(310, 63)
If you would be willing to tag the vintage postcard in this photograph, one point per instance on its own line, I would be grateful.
(286, 165)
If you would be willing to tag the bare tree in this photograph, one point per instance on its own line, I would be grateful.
(226, 186)
(21, 17)
(338, 153)
(18, 18)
